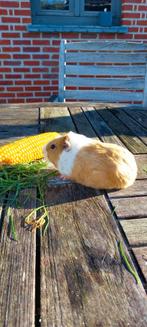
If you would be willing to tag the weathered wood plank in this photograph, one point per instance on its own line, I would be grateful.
(56, 119)
(105, 96)
(105, 57)
(141, 255)
(135, 230)
(82, 124)
(81, 272)
(106, 70)
(100, 126)
(142, 166)
(118, 83)
(139, 115)
(135, 207)
(107, 46)
(17, 267)
(17, 123)
(133, 143)
(138, 188)
(135, 128)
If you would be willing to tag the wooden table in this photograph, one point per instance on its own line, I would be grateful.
(74, 276)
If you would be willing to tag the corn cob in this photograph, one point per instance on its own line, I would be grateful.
(25, 150)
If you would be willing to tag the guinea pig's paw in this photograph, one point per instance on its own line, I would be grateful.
(63, 177)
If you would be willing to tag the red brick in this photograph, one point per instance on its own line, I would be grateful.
(32, 88)
(16, 100)
(5, 56)
(13, 76)
(126, 22)
(12, 63)
(131, 15)
(50, 63)
(26, 20)
(50, 49)
(56, 42)
(11, 4)
(40, 56)
(140, 36)
(106, 35)
(10, 20)
(55, 56)
(22, 12)
(7, 95)
(4, 42)
(133, 29)
(142, 8)
(21, 70)
(41, 42)
(68, 35)
(142, 22)
(25, 94)
(3, 12)
(3, 101)
(25, 4)
(5, 70)
(2, 89)
(14, 89)
(34, 100)
(6, 82)
(10, 35)
(4, 27)
(32, 35)
(21, 56)
(20, 28)
(124, 36)
(31, 63)
(40, 70)
(41, 94)
(126, 7)
(22, 82)
(31, 49)
(32, 76)
(51, 35)
(21, 42)
(11, 49)
(42, 82)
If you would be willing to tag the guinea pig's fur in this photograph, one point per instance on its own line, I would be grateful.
(92, 163)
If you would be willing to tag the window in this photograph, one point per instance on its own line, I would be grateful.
(78, 13)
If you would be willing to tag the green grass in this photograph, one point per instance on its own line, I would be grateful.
(18, 177)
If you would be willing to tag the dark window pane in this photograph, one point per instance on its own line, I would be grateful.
(98, 5)
(55, 4)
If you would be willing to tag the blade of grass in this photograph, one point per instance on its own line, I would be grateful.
(127, 262)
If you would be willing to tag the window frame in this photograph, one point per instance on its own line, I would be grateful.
(70, 17)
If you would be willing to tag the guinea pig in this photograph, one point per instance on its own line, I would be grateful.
(90, 162)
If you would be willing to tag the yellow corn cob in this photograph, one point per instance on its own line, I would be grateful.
(25, 150)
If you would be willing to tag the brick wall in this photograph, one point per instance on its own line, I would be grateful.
(29, 61)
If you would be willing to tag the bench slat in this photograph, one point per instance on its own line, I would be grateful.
(104, 96)
(129, 83)
(95, 57)
(107, 46)
(17, 266)
(106, 70)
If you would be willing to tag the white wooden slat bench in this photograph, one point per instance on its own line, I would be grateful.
(108, 71)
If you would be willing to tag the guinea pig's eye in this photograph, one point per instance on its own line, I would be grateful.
(52, 146)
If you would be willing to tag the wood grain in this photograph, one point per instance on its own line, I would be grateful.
(137, 189)
(141, 256)
(136, 231)
(142, 166)
(134, 127)
(17, 266)
(130, 207)
(56, 119)
(133, 143)
(82, 280)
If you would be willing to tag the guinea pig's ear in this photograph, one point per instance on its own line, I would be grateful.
(66, 143)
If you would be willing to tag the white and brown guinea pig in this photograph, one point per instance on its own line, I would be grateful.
(92, 163)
